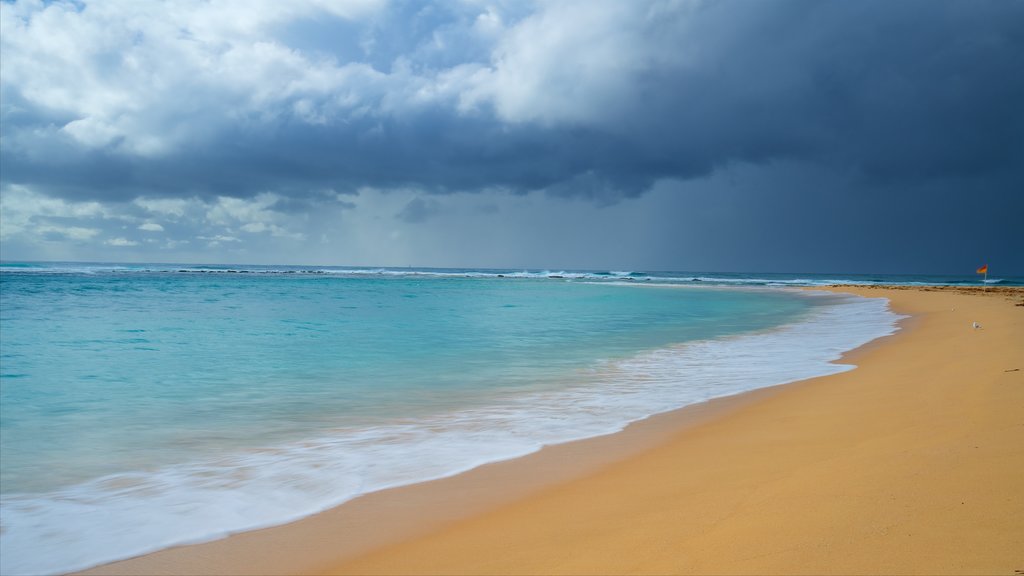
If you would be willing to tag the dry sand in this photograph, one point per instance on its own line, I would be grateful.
(912, 463)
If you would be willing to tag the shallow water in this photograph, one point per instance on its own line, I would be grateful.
(144, 407)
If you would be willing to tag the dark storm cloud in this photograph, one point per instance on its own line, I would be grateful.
(433, 152)
(892, 92)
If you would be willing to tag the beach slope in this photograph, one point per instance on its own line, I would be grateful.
(910, 464)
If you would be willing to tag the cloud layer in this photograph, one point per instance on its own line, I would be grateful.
(232, 119)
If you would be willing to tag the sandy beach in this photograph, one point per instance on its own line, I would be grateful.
(910, 464)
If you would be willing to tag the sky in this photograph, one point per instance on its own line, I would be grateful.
(787, 136)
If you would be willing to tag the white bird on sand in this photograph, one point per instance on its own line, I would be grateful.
(976, 325)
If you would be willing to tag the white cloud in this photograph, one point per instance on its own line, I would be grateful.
(253, 215)
(31, 217)
(574, 61)
(76, 233)
(121, 242)
(226, 210)
(26, 212)
(219, 238)
(167, 207)
(149, 78)
(18, 198)
(127, 72)
(255, 227)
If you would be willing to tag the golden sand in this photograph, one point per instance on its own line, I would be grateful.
(912, 463)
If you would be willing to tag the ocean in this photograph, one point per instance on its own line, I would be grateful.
(145, 406)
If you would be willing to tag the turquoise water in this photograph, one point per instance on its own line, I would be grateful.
(183, 405)
(91, 364)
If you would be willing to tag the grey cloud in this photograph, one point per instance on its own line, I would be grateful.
(909, 91)
(418, 210)
(839, 117)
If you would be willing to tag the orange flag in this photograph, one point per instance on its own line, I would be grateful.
(983, 269)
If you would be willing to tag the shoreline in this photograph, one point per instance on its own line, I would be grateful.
(391, 516)
(405, 518)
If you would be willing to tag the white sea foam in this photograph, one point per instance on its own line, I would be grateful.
(129, 514)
